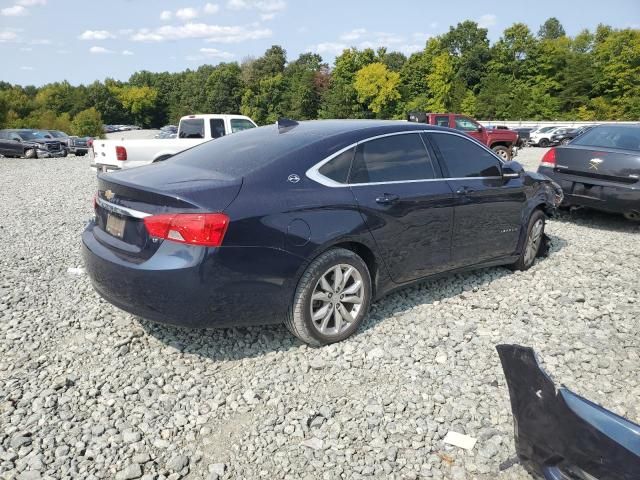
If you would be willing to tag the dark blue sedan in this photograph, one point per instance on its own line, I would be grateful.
(307, 223)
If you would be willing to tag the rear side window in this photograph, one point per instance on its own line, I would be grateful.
(337, 169)
(464, 158)
(391, 159)
(240, 124)
(192, 128)
(625, 138)
(217, 127)
(442, 120)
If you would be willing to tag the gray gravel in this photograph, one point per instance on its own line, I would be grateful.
(87, 391)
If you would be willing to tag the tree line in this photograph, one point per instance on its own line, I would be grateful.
(544, 76)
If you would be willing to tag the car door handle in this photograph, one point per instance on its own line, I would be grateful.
(387, 199)
(464, 190)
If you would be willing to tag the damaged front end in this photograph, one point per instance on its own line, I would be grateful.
(560, 435)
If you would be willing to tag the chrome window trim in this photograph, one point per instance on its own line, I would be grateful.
(313, 173)
(121, 210)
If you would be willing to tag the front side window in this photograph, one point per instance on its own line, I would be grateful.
(391, 159)
(464, 158)
(466, 125)
(192, 128)
(240, 124)
(217, 127)
(337, 169)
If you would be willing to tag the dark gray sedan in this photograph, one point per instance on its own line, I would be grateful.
(600, 169)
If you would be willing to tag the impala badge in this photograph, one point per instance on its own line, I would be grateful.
(594, 163)
(108, 194)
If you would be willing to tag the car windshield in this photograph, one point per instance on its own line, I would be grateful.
(611, 136)
(546, 129)
(56, 134)
(30, 134)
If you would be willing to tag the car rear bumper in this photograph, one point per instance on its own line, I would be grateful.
(594, 193)
(193, 286)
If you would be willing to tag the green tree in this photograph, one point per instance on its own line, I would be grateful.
(87, 123)
(224, 89)
(304, 87)
(551, 29)
(377, 87)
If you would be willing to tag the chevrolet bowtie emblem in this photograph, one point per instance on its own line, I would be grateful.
(594, 163)
(108, 194)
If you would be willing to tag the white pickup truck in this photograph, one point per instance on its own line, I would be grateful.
(112, 154)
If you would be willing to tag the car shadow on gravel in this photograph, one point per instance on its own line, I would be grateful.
(599, 220)
(223, 344)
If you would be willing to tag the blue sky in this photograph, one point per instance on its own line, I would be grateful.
(83, 40)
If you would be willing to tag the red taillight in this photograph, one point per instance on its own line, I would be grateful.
(90, 143)
(121, 153)
(206, 229)
(549, 159)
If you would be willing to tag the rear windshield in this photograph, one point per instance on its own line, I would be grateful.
(610, 136)
(192, 128)
(244, 152)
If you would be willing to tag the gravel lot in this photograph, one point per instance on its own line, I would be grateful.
(87, 391)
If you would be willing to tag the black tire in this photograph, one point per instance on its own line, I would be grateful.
(525, 261)
(30, 153)
(65, 153)
(299, 320)
(503, 152)
(565, 141)
(544, 143)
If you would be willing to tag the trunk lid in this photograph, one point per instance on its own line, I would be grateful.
(608, 164)
(126, 197)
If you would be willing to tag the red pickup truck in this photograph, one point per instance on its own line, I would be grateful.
(502, 142)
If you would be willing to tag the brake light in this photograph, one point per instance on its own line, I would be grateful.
(206, 229)
(121, 153)
(549, 158)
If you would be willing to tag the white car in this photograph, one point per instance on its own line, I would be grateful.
(109, 155)
(541, 137)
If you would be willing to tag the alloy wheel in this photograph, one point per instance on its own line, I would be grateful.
(337, 299)
(533, 242)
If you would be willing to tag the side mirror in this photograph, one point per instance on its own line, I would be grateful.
(480, 129)
(512, 170)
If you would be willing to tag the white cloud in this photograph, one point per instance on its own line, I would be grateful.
(421, 36)
(15, 11)
(354, 34)
(215, 53)
(487, 20)
(166, 15)
(96, 35)
(211, 8)
(40, 41)
(411, 48)
(99, 50)
(328, 47)
(31, 3)
(211, 33)
(127, 52)
(24, 67)
(186, 14)
(388, 39)
(8, 36)
(261, 5)
(265, 17)
(26, 49)
(63, 52)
